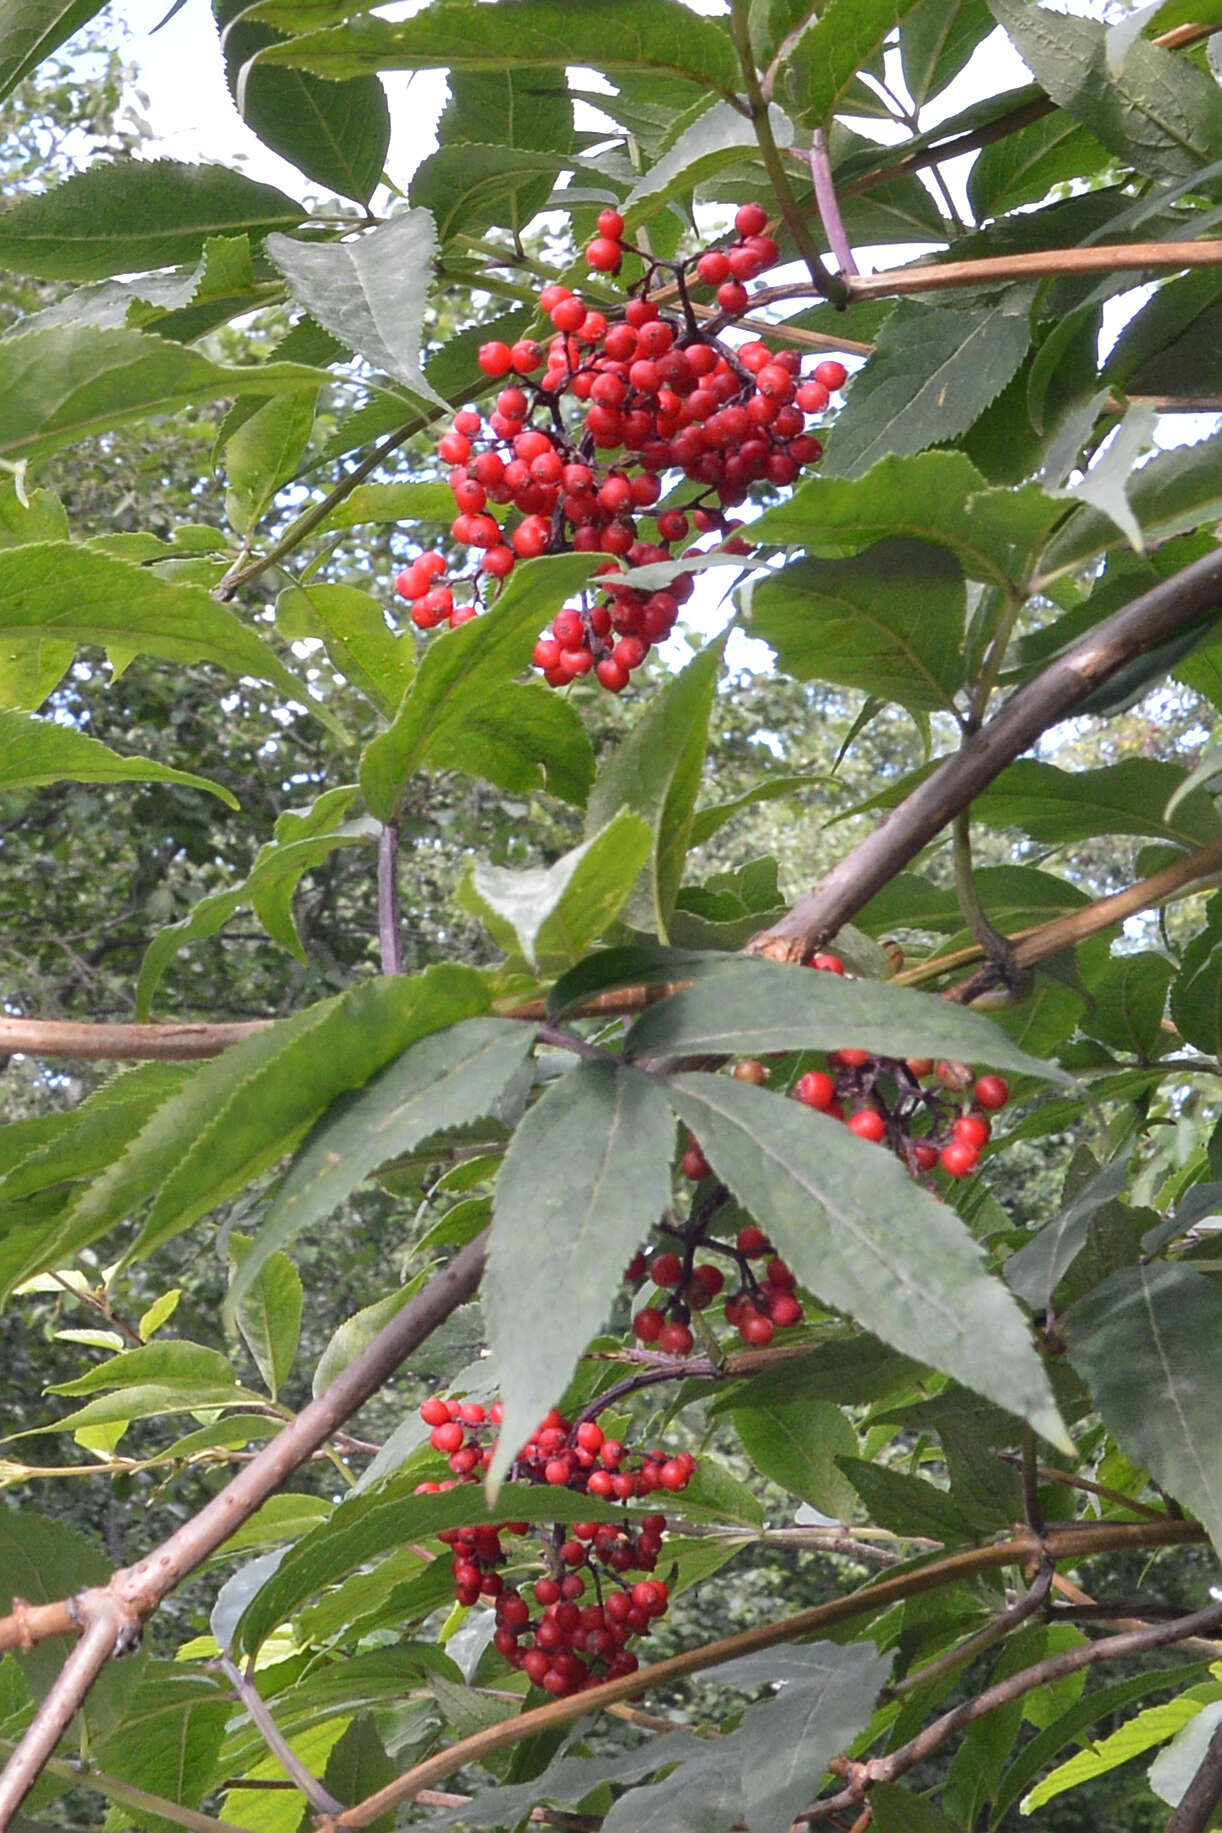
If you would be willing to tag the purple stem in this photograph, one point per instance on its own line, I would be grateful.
(829, 207)
(389, 939)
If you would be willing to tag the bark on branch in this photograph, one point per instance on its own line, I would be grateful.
(1168, 608)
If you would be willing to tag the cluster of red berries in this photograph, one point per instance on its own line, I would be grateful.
(569, 1645)
(756, 1307)
(658, 393)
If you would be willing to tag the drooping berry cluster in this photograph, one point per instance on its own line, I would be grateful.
(757, 1306)
(578, 453)
(567, 1645)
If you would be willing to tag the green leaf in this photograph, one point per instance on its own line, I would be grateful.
(63, 590)
(657, 771)
(358, 1766)
(905, 1503)
(382, 1520)
(1132, 1739)
(889, 621)
(928, 496)
(1171, 345)
(1174, 1768)
(1196, 995)
(358, 640)
(394, 503)
(123, 214)
(720, 137)
(1148, 1344)
(938, 38)
(264, 453)
(799, 1445)
(238, 1114)
(1037, 1269)
(933, 372)
(369, 292)
(269, 1315)
(1156, 111)
(709, 820)
(1022, 168)
(174, 1359)
(356, 1333)
(762, 1774)
(464, 712)
(170, 1738)
(649, 35)
(586, 1175)
(752, 1007)
(1172, 494)
(1129, 1003)
(279, 868)
(31, 29)
(445, 1079)
(41, 1560)
(465, 188)
(336, 133)
(37, 751)
(828, 55)
(861, 1236)
(61, 385)
(553, 915)
(1056, 806)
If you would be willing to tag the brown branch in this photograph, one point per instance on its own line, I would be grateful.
(1042, 1674)
(176, 1043)
(1173, 605)
(967, 1650)
(390, 939)
(1196, 1806)
(109, 1632)
(133, 1594)
(996, 270)
(1024, 1549)
(248, 1695)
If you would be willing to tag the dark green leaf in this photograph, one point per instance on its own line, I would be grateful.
(61, 385)
(1129, 1003)
(1148, 1343)
(861, 1236)
(930, 496)
(1156, 112)
(753, 1007)
(37, 751)
(124, 214)
(1196, 994)
(828, 55)
(1037, 1269)
(264, 453)
(938, 38)
(465, 188)
(656, 771)
(31, 29)
(905, 1503)
(800, 1445)
(1056, 806)
(1174, 493)
(42, 1560)
(464, 712)
(447, 1078)
(721, 136)
(359, 1766)
(1023, 167)
(585, 1177)
(649, 35)
(238, 1114)
(336, 133)
(889, 621)
(369, 292)
(269, 1315)
(933, 372)
(173, 1725)
(356, 1333)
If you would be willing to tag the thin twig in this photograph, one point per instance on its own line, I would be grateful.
(1196, 1805)
(1058, 1544)
(109, 1631)
(996, 1631)
(249, 1696)
(1173, 605)
(1015, 1686)
(390, 938)
(829, 206)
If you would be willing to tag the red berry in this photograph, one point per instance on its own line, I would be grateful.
(666, 1269)
(832, 374)
(611, 224)
(992, 1092)
(751, 1241)
(435, 1412)
(816, 1090)
(757, 1330)
(604, 255)
(750, 219)
(958, 1159)
(827, 964)
(733, 298)
(495, 359)
(676, 1340)
(713, 267)
(447, 1437)
(971, 1130)
(868, 1124)
(647, 1327)
(695, 1164)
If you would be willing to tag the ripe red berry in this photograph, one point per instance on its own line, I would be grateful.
(447, 1437)
(971, 1130)
(827, 964)
(647, 1327)
(604, 255)
(695, 1164)
(733, 298)
(435, 1411)
(750, 219)
(832, 374)
(495, 359)
(992, 1092)
(611, 224)
(676, 1340)
(666, 1269)
(816, 1090)
(751, 1241)
(868, 1124)
(958, 1159)
(757, 1330)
